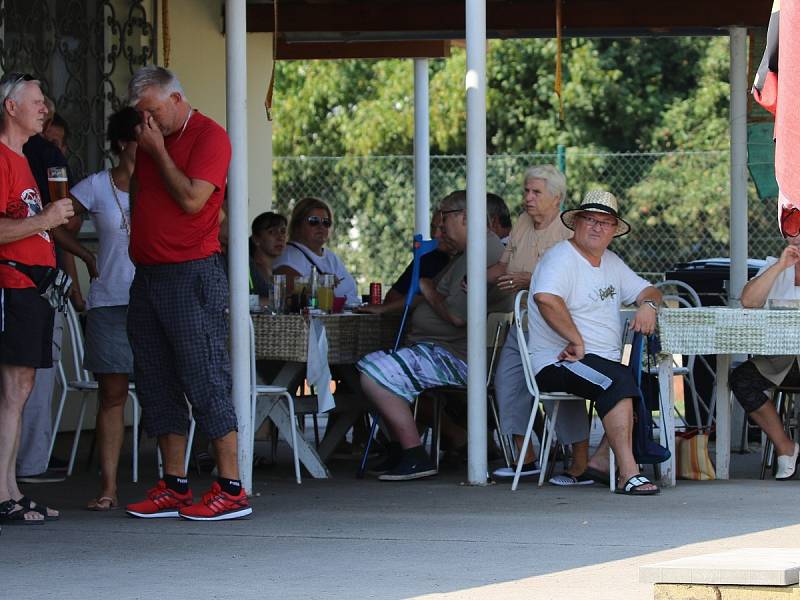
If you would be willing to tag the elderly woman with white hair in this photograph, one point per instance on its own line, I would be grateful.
(537, 230)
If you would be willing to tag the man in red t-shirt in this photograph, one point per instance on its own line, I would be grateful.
(26, 319)
(176, 317)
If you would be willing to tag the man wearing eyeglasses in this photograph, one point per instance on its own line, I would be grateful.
(176, 316)
(26, 249)
(437, 351)
(575, 334)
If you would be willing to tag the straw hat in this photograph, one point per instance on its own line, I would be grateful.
(597, 201)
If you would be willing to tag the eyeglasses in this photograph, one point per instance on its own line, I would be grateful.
(604, 225)
(790, 222)
(315, 221)
(12, 80)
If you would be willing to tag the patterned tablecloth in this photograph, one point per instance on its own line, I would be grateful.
(718, 330)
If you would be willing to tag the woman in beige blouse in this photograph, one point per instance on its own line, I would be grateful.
(536, 231)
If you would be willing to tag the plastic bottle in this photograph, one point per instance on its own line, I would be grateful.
(314, 283)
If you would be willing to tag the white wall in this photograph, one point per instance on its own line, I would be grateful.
(197, 56)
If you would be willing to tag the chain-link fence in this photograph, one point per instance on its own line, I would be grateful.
(677, 203)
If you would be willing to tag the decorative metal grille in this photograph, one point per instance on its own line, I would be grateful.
(84, 52)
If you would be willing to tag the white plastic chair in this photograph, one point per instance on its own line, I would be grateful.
(520, 317)
(257, 390)
(85, 385)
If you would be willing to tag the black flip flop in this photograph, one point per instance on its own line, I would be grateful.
(598, 475)
(633, 486)
(9, 516)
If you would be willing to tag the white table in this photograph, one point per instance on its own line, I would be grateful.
(284, 338)
(724, 332)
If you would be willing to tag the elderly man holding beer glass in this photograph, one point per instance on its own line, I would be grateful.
(27, 257)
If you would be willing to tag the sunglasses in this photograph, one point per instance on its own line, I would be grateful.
(790, 222)
(12, 80)
(316, 221)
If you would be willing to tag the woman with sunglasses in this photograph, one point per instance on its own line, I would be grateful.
(751, 381)
(310, 227)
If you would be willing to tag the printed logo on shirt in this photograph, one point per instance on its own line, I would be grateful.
(28, 205)
(604, 294)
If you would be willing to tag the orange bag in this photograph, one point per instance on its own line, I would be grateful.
(691, 451)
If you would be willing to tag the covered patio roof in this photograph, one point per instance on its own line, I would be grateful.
(387, 20)
(337, 24)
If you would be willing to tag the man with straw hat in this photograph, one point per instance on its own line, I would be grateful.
(575, 335)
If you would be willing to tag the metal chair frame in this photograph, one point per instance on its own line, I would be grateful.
(520, 316)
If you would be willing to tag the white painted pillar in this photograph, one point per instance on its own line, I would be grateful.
(739, 218)
(236, 109)
(738, 116)
(476, 249)
(422, 150)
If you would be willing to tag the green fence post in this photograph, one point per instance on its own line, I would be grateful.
(561, 162)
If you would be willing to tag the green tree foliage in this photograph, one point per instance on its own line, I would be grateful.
(620, 95)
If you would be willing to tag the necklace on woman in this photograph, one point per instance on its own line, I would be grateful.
(125, 224)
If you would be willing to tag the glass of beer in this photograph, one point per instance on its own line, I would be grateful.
(325, 292)
(57, 183)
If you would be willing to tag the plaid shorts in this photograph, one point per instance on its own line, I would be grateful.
(178, 331)
(410, 371)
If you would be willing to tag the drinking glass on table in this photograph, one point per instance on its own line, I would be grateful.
(57, 183)
(325, 292)
(277, 298)
(300, 292)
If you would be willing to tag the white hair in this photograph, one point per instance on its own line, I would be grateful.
(153, 76)
(11, 86)
(555, 180)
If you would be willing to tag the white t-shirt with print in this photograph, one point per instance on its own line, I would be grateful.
(113, 263)
(593, 296)
(300, 260)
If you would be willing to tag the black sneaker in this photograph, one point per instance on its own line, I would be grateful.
(389, 463)
(410, 467)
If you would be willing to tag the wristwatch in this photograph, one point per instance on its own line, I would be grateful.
(651, 304)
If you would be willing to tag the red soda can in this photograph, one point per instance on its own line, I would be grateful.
(375, 296)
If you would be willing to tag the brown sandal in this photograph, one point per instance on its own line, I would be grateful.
(103, 503)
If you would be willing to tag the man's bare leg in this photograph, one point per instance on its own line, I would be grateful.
(618, 424)
(580, 458)
(16, 384)
(173, 453)
(226, 449)
(395, 411)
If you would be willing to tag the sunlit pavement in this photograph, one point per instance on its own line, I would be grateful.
(434, 538)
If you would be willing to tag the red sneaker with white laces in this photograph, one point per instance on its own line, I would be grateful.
(161, 502)
(218, 505)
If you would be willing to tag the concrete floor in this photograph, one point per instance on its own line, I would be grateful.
(435, 538)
